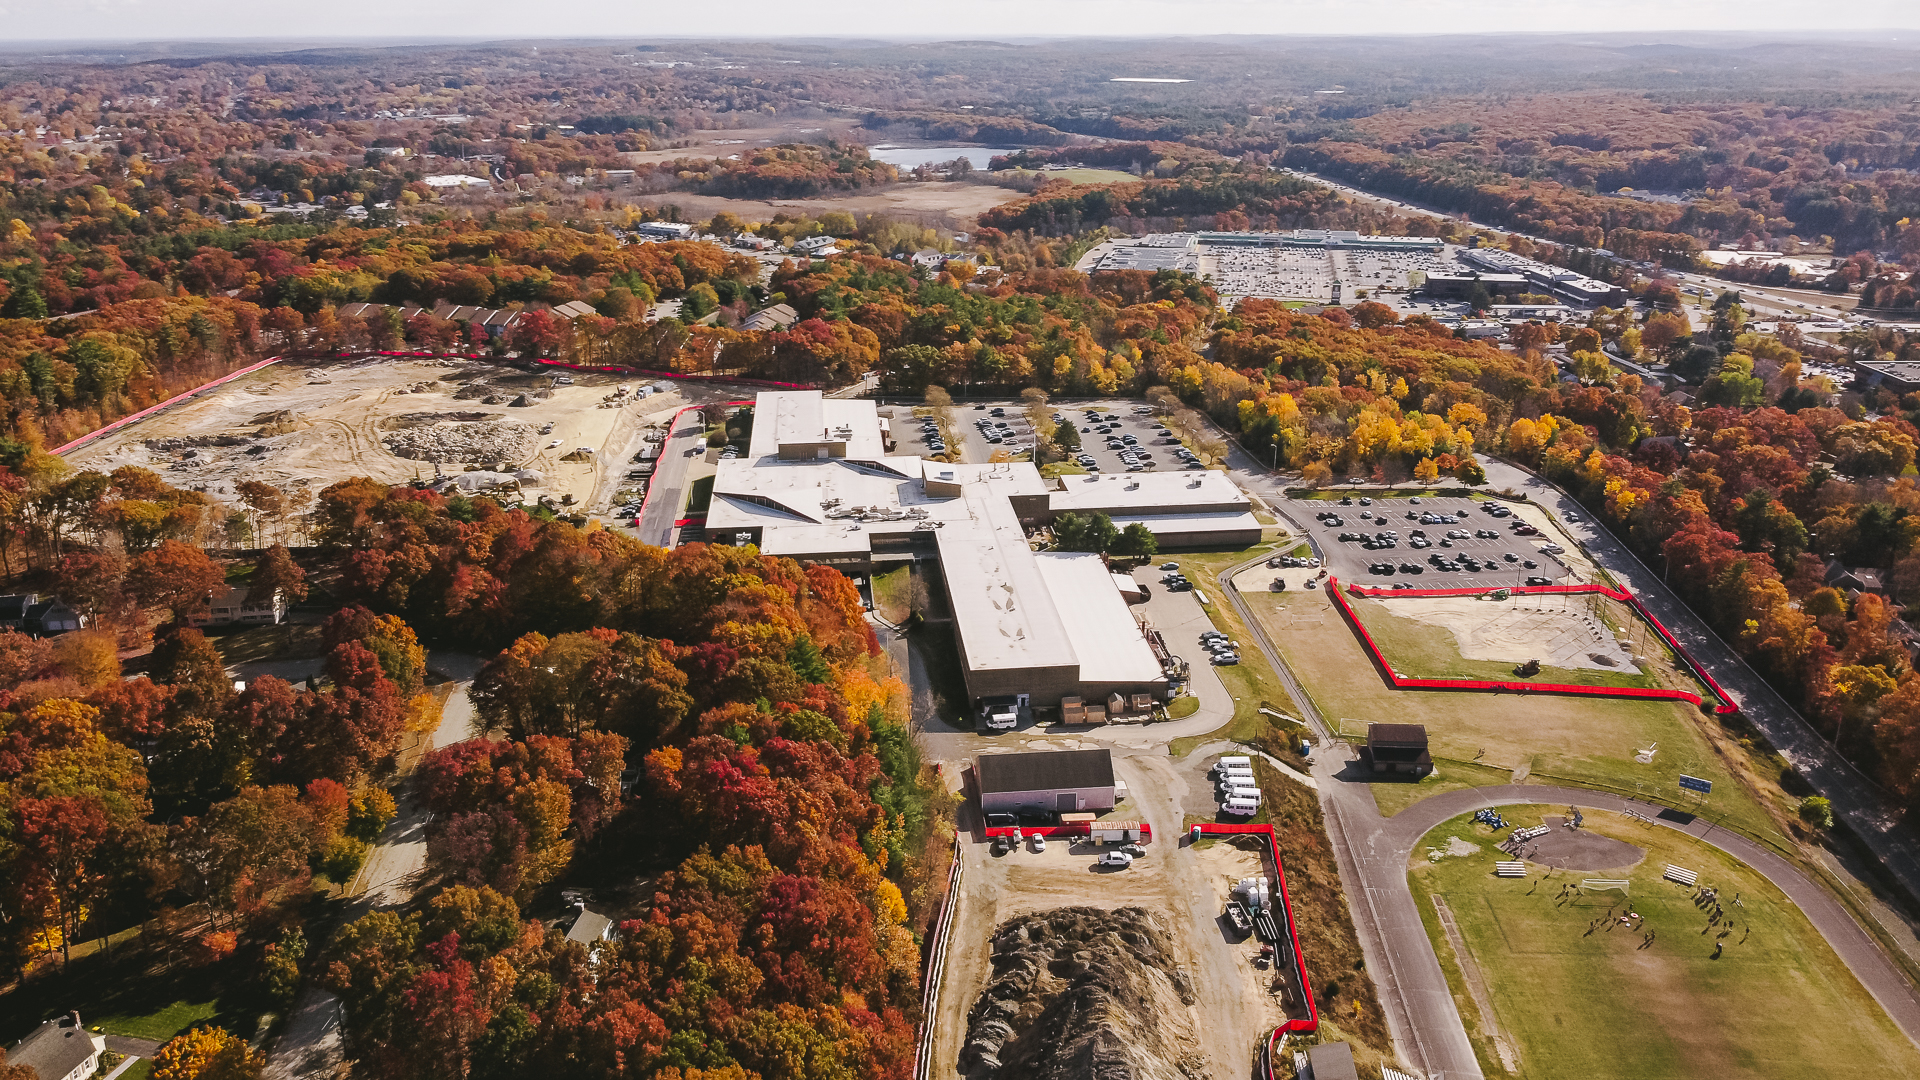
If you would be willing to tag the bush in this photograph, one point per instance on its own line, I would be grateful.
(215, 947)
(1817, 812)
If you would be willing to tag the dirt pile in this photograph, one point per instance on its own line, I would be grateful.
(451, 442)
(1082, 993)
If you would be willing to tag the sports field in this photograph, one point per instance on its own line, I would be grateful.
(1571, 998)
(1484, 738)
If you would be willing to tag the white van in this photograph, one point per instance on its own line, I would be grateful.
(1226, 771)
(1240, 794)
(1240, 808)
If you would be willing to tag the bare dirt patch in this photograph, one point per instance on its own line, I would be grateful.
(1084, 992)
(303, 426)
(1557, 633)
(940, 200)
(1580, 849)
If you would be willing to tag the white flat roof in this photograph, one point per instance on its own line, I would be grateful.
(1101, 631)
(1191, 523)
(1145, 493)
(1002, 607)
(806, 416)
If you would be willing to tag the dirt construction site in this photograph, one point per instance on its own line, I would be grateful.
(1061, 968)
(303, 425)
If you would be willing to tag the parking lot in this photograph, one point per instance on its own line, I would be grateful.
(1104, 445)
(1009, 426)
(1413, 550)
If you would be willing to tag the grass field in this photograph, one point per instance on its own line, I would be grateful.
(1576, 1005)
(892, 593)
(1589, 742)
(1423, 650)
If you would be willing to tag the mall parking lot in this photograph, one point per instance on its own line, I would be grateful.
(1349, 560)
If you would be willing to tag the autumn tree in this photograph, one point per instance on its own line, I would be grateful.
(175, 577)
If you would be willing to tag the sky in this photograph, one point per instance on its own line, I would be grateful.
(147, 20)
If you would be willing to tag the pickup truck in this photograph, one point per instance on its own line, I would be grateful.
(1116, 858)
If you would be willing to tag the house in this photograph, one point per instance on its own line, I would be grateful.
(59, 1050)
(1045, 781)
(929, 258)
(231, 607)
(574, 309)
(38, 616)
(1399, 748)
(1856, 579)
(589, 928)
(777, 317)
(814, 245)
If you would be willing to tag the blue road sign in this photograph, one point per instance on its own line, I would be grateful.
(1694, 783)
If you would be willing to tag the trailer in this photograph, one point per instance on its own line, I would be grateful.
(1116, 832)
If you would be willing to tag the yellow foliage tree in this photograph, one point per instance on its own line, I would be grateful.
(207, 1053)
(1426, 471)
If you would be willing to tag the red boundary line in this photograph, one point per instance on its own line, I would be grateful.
(1400, 682)
(1312, 1022)
(1071, 828)
(672, 423)
(150, 410)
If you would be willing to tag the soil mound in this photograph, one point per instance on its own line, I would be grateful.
(1082, 993)
(449, 442)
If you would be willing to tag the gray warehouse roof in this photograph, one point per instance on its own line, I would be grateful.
(1044, 769)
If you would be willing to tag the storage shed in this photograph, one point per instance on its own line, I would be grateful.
(1399, 748)
(1049, 781)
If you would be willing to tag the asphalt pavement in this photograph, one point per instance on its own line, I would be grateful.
(667, 489)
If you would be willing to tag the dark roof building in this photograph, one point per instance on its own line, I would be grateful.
(59, 1050)
(1852, 579)
(38, 616)
(1045, 781)
(1399, 748)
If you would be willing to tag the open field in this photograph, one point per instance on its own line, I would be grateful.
(301, 426)
(952, 200)
(1570, 740)
(1765, 997)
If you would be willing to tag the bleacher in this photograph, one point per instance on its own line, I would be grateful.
(1510, 869)
(1682, 876)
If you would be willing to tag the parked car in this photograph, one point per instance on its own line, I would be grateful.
(1039, 843)
(1115, 858)
(1002, 845)
(1134, 850)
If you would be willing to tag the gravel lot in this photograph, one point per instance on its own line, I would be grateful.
(1349, 561)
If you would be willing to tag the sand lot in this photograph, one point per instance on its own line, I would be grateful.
(1549, 628)
(303, 426)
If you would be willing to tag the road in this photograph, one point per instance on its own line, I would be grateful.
(309, 1046)
(667, 489)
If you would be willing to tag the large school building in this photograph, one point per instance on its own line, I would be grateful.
(820, 483)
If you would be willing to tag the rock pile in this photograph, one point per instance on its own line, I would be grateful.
(1081, 993)
(183, 442)
(447, 443)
